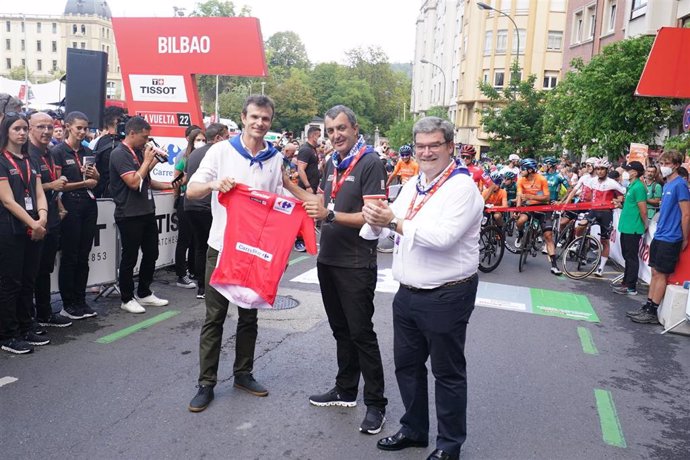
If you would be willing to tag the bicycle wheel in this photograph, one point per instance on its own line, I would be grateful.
(581, 257)
(525, 247)
(490, 248)
(510, 235)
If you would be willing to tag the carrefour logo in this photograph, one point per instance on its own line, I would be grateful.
(254, 251)
(284, 206)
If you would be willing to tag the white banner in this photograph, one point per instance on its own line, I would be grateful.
(615, 253)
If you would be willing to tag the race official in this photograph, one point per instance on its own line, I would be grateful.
(436, 220)
(40, 134)
(132, 188)
(308, 161)
(347, 267)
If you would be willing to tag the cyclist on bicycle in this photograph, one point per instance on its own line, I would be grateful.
(510, 186)
(467, 155)
(405, 168)
(604, 191)
(494, 195)
(533, 189)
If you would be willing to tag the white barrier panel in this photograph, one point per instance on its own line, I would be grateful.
(615, 253)
(104, 255)
(166, 219)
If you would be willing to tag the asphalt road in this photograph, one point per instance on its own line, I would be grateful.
(535, 391)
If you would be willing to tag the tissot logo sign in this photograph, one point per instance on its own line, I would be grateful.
(158, 88)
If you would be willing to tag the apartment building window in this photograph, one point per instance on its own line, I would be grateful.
(23, 63)
(74, 44)
(639, 8)
(591, 22)
(8, 26)
(54, 65)
(578, 27)
(38, 45)
(521, 6)
(83, 29)
(54, 46)
(55, 27)
(39, 27)
(610, 12)
(488, 39)
(23, 27)
(8, 62)
(39, 65)
(558, 5)
(8, 44)
(550, 80)
(501, 41)
(522, 33)
(23, 45)
(485, 77)
(499, 78)
(555, 40)
(83, 45)
(74, 29)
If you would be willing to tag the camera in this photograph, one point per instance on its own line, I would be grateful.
(120, 131)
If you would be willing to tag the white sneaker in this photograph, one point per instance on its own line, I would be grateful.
(152, 301)
(599, 273)
(132, 307)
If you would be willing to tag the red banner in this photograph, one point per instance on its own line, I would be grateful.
(579, 207)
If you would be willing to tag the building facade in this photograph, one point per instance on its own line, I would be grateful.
(40, 43)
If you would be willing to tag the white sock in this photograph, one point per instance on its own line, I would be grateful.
(603, 262)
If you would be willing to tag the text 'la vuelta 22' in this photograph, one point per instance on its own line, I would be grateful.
(184, 45)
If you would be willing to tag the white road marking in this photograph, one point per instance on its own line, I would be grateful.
(7, 380)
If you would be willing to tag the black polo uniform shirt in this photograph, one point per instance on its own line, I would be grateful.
(70, 163)
(307, 155)
(21, 176)
(128, 202)
(45, 163)
(342, 246)
(193, 162)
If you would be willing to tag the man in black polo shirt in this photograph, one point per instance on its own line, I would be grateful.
(347, 266)
(199, 211)
(308, 161)
(40, 134)
(78, 228)
(104, 147)
(132, 188)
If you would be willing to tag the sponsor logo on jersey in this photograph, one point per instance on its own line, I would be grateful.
(284, 206)
(251, 250)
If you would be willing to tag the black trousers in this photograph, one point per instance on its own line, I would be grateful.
(46, 266)
(20, 259)
(136, 233)
(184, 249)
(211, 338)
(77, 232)
(348, 296)
(433, 324)
(200, 222)
(630, 245)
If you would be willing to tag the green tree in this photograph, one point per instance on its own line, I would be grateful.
(17, 73)
(400, 133)
(295, 102)
(595, 107)
(324, 79)
(286, 50)
(219, 8)
(230, 102)
(514, 117)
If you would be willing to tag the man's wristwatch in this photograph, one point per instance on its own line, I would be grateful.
(330, 217)
(393, 224)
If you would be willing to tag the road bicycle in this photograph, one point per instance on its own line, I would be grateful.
(491, 244)
(531, 241)
(562, 237)
(582, 256)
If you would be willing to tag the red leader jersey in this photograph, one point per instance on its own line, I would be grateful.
(259, 235)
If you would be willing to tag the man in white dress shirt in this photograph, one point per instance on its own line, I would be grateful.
(436, 219)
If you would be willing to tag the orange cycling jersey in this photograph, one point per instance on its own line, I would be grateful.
(537, 186)
(497, 197)
(405, 170)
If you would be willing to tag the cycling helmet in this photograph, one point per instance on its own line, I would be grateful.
(509, 175)
(550, 161)
(405, 151)
(497, 177)
(527, 164)
(591, 161)
(467, 150)
(602, 163)
(513, 157)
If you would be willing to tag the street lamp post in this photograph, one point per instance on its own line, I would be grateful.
(443, 74)
(484, 6)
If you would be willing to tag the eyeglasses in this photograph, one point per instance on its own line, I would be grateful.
(435, 147)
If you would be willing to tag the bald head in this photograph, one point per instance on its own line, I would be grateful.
(40, 129)
(289, 150)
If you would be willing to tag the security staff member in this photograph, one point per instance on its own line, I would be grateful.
(78, 228)
(40, 134)
(23, 218)
(132, 188)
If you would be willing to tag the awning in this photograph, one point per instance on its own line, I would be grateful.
(667, 72)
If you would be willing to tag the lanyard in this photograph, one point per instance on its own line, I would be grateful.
(134, 155)
(412, 210)
(337, 184)
(27, 181)
(51, 169)
(75, 153)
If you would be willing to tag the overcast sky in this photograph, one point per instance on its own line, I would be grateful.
(327, 28)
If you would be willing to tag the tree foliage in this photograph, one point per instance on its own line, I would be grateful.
(514, 117)
(594, 107)
(219, 8)
(286, 50)
(295, 103)
(18, 73)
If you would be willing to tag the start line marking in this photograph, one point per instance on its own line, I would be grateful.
(7, 380)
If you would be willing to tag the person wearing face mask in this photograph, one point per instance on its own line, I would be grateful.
(670, 238)
(631, 225)
(651, 181)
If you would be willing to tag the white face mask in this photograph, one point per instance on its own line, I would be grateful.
(666, 171)
(199, 144)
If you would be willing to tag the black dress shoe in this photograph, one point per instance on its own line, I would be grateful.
(438, 454)
(202, 399)
(399, 442)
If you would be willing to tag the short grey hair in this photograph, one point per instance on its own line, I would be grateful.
(333, 112)
(433, 124)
